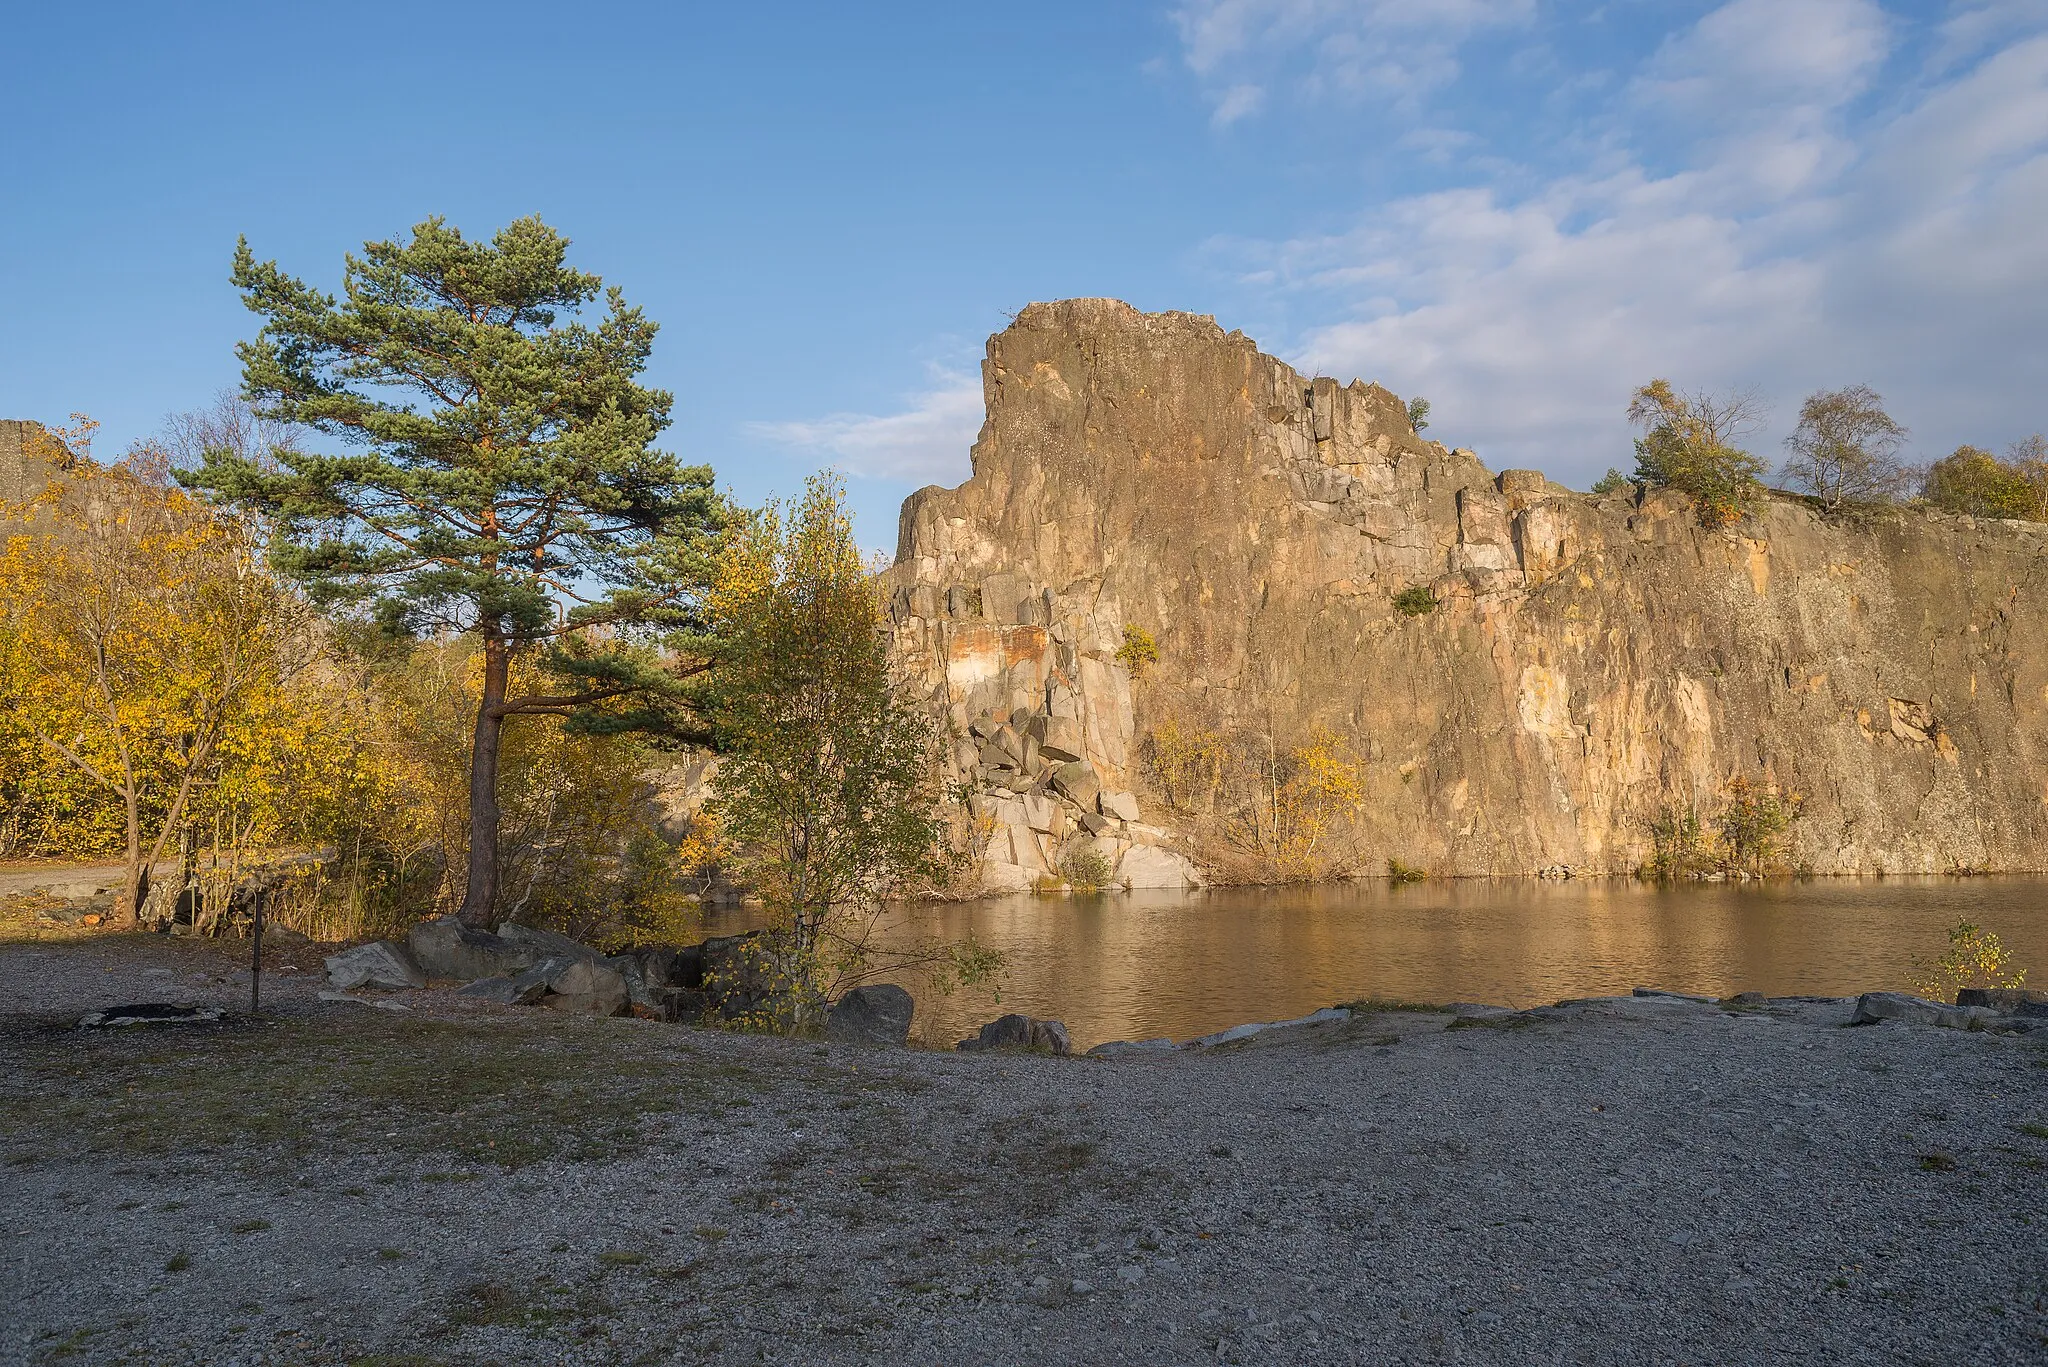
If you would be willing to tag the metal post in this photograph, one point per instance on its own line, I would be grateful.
(256, 953)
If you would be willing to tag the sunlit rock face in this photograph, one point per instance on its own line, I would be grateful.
(1590, 662)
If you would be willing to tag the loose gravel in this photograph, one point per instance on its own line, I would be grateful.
(1639, 1180)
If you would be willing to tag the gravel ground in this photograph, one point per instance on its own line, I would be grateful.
(1614, 1181)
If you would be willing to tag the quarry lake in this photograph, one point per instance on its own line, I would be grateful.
(1143, 965)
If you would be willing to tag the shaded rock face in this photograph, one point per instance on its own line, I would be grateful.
(879, 1014)
(1590, 663)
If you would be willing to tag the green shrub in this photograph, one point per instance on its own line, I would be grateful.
(1404, 873)
(1679, 846)
(1138, 650)
(1613, 482)
(1751, 821)
(1975, 958)
(1415, 601)
(1086, 869)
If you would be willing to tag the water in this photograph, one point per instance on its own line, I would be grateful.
(1142, 965)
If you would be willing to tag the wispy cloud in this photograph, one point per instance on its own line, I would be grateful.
(927, 442)
(1386, 51)
(1796, 243)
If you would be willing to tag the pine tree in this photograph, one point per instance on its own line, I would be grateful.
(499, 478)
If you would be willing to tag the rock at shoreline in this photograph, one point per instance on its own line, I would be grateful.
(2016, 1000)
(877, 1014)
(1016, 1031)
(445, 948)
(1148, 866)
(1328, 1015)
(1873, 1007)
(377, 964)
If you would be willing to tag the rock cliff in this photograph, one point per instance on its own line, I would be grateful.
(1591, 662)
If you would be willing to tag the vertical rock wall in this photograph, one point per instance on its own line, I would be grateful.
(1591, 662)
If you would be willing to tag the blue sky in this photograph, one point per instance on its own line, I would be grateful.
(1518, 209)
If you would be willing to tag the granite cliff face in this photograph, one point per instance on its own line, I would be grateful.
(1591, 661)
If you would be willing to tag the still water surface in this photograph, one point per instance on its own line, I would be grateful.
(1142, 965)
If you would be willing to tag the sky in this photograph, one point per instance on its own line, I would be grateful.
(1518, 209)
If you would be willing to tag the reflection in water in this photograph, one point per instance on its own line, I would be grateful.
(1140, 965)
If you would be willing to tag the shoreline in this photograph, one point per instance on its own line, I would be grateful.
(1606, 1180)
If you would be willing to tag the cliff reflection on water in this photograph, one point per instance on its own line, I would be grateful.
(1141, 965)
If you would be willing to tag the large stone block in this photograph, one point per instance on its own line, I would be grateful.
(585, 986)
(1019, 1032)
(377, 964)
(876, 1014)
(449, 950)
(1148, 866)
(1122, 806)
(1060, 739)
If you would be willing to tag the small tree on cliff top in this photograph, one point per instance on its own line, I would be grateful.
(1688, 442)
(1845, 449)
(503, 480)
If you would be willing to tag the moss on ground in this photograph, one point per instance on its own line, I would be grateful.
(507, 1093)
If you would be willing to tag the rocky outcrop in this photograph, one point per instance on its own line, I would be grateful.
(1589, 662)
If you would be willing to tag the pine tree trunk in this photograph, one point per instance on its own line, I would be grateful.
(481, 894)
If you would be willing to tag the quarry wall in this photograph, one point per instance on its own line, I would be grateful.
(1591, 662)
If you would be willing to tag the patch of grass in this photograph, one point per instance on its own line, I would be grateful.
(507, 1093)
(2034, 1128)
(179, 1262)
(1399, 873)
(1514, 1022)
(390, 1255)
(1937, 1161)
(482, 1304)
(620, 1257)
(251, 1227)
(710, 1234)
(70, 1347)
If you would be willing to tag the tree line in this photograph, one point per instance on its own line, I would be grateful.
(1845, 452)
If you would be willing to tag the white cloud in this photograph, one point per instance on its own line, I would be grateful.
(1391, 51)
(924, 444)
(1795, 251)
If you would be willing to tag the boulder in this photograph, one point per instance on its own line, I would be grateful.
(1076, 781)
(585, 986)
(1873, 1007)
(877, 1014)
(1148, 866)
(1008, 744)
(377, 964)
(735, 979)
(1122, 806)
(2010, 999)
(1040, 812)
(522, 989)
(1019, 1032)
(1000, 876)
(546, 944)
(445, 948)
(1060, 739)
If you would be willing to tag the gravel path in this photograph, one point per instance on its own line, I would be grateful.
(1613, 1181)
